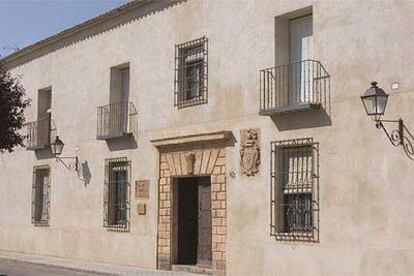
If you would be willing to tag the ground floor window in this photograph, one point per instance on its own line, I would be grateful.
(41, 195)
(117, 194)
(295, 189)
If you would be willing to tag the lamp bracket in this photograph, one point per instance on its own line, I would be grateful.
(399, 136)
(72, 166)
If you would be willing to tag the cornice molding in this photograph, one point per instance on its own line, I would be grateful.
(212, 137)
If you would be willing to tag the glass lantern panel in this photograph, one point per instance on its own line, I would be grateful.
(370, 105)
(381, 103)
(53, 148)
(59, 148)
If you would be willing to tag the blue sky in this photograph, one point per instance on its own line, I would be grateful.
(23, 22)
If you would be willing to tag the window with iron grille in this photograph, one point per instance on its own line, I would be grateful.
(41, 195)
(295, 190)
(191, 73)
(117, 194)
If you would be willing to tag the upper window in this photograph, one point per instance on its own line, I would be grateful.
(119, 91)
(301, 39)
(191, 73)
(298, 81)
(295, 206)
(41, 195)
(118, 118)
(41, 132)
(117, 194)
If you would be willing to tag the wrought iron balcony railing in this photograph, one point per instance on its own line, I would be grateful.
(40, 133)
(298, 86)
(116, 120)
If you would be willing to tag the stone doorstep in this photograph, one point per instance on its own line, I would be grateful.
(193, 269)
(82, 266)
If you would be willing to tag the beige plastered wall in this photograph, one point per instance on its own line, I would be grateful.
(366, 184)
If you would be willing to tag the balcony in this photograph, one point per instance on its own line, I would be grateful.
(116, 120)
(300, 86)
(40, 133)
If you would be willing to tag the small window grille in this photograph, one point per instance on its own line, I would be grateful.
(191, 73)
(41, 195)
(295, 190)
(117, 194)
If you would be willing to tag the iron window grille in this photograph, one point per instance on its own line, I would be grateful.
(295, 190)
(191, 73)
(41, 195)
(117, 194)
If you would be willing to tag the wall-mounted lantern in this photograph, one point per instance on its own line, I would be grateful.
(57, 148)
(375, 101)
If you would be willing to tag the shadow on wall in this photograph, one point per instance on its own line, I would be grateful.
(298, 120)
(84, 173)
(232, 141)
(122, 143)
(43, 154)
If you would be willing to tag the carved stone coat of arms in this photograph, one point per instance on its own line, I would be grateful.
(250, 151)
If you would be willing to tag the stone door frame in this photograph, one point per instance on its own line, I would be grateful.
(209, 159)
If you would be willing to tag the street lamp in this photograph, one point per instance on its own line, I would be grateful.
(57, 148)
(375, 101)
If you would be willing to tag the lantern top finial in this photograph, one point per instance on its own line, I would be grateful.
(58, 141)
(374, 90)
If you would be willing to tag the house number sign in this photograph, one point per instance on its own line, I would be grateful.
(142, 189)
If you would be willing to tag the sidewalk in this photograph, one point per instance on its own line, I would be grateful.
(82, 266)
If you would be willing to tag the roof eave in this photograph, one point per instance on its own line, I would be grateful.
(76, 29)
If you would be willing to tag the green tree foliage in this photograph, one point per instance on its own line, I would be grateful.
(13, 102)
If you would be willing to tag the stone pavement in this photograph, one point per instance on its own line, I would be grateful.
(16, 268)
(21, 264)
